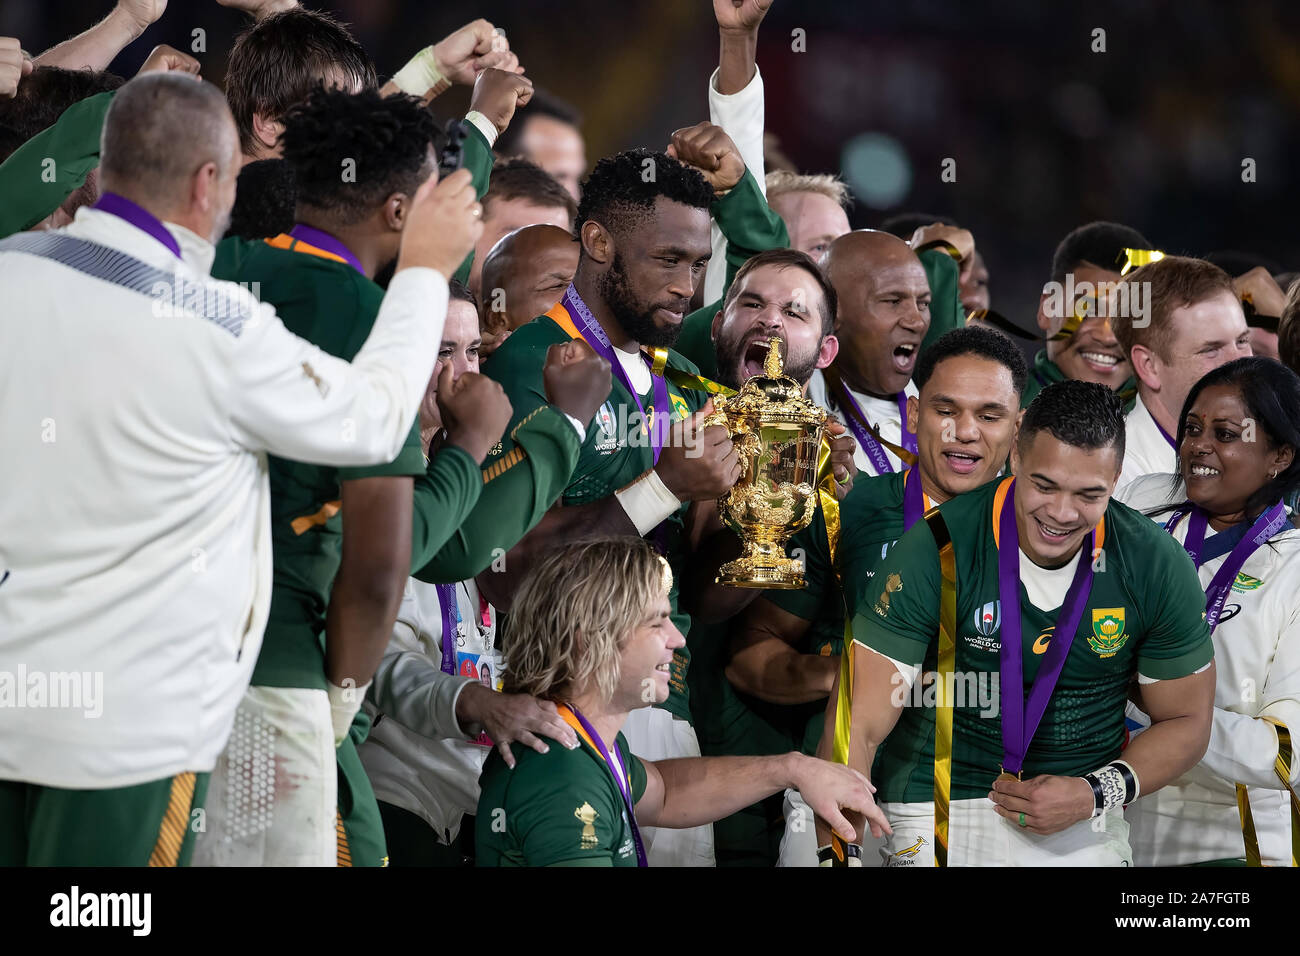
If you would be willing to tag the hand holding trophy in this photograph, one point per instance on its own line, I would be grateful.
(778, 434)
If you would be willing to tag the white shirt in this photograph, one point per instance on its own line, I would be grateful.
(1146, 451)
(1257, 660)
(417, 756)
(134, 502)
(881, 412)
(741, 117)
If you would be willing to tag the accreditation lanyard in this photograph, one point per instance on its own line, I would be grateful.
(595, 336)
(1264, 527)
(450, 609)
(1020, 718)
(867, 436)
(915, 501)
(573, 717)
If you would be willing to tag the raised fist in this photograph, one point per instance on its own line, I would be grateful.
(474, 410)
(498, 93)
(711, 151)
(577, 379)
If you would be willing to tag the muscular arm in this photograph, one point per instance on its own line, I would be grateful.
(1181, 712)
(95, 49)
(368, 588)
(765, 664)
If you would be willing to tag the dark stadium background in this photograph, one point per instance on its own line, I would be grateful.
(1046, 133)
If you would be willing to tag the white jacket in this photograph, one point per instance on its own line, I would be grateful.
(1146, 452)
(417, 756)
(1257, 660)
(134, 502)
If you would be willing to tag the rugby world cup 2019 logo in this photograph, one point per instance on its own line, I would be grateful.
(989, 618)
(1108, 633)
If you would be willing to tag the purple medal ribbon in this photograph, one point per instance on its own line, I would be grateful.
(586, 324)
(913, 498)
(450, 617)
(1020, 718)
(624, 782)
(1164, 434)
(868, 442)
(1265, 526)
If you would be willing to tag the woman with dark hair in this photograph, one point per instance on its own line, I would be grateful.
(1237, 442)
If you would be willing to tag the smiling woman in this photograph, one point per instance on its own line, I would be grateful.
(1237, 451)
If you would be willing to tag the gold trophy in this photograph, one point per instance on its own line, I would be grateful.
(779, 434)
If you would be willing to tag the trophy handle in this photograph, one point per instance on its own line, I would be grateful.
(719, 414)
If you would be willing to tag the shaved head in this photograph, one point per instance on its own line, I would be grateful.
(163, 133)
(531, 267)
(884, 309)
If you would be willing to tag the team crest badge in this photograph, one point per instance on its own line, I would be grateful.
(1108, 633)
(989, 618)
(587, 815)
(1244, 582)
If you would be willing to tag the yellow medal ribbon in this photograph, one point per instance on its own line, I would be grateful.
(1282, 767)
(943, 713)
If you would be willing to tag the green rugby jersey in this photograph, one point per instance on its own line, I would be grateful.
(333, 306)
(871, 519)
(614, 453)
(1144, 614)
(560, 808)
(1043, 372)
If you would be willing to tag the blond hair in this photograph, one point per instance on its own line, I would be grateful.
(780, 182)
(1288, 329)
(575, 611)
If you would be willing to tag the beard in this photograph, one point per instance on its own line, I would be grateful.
(636, 317)
(731, 357)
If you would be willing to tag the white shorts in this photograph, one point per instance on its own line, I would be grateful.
(654, 734)
(799, 842)
(273, 793)
(978, 836)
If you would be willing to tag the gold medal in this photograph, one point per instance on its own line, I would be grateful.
(1004, 775)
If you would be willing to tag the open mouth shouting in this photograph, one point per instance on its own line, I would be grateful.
(754, 358)
(904, 357)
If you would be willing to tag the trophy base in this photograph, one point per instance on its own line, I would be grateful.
(767, 571)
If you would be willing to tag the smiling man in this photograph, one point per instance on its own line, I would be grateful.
(882, 317)
(785, 653)
(1196, 324)
(1059, 595)
(1089, 254)
(596, 637)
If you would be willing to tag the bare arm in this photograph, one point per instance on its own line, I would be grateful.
(692, 791)
(368, 589)
(95, 49)
(765, 664)
(1181, 713)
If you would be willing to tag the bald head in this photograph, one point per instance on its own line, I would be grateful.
(531, 267)
(169, 144)
(884, 309)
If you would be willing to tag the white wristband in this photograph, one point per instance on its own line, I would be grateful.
(421, 74)
(344, 704)
(484, 126)
(581, 428)
(647, 501)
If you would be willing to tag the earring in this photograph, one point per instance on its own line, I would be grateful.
(1272, 474)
